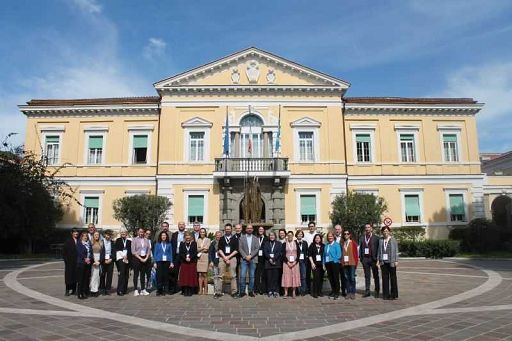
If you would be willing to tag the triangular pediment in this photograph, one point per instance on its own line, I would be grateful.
(305, 122)
(196, 122)
(252, 67)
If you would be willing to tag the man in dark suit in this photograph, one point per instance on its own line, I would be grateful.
(123, 248)
(107, 258)
(368, 247)
(177, 238)
(69, 256)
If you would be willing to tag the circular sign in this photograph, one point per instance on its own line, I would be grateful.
(388, 221)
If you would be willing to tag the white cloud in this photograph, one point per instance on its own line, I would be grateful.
(154, 48)
(491, 84)
(87, 6)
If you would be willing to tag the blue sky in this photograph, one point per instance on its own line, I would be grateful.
(91, 48)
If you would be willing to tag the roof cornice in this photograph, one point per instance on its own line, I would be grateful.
(143, 109)
(409, 108)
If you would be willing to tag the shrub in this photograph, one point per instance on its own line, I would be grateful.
(457, 233)
(482, 235)
(429, 248)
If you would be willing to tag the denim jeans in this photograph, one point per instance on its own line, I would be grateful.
(302, 267)
(251, 266)
(350, 276)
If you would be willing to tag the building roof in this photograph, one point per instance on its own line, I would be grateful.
(94, 101)
(409, 100)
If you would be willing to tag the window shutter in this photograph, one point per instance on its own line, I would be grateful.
(363, 138)
(140, 141)
(456, 204)
(92, 202)
(95, 142)
(412, 205)
(450, 138)
(406, 137)
(195, 205)
(52, 139)
(308, 205)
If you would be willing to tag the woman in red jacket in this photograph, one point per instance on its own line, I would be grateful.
(349, 260)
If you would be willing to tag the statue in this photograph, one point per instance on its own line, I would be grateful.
(251, 203)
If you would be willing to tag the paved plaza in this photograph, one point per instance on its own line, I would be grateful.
(439, 299)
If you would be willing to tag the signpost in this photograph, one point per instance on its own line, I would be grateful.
(388, 221)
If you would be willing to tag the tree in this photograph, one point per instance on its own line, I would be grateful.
(31, 198)
(147, 211)
(353, 210)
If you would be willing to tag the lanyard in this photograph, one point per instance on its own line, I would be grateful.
(318, 248)
(261, 240)
(188, 247)
(385, 245)
(367, 240)
(228, 240)
(164, 246)
(300, 246)
(272, 248)
(124, 243)
(346, 245)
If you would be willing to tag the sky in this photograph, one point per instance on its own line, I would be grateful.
(93, 48)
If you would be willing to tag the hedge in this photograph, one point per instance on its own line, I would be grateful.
(429, 248)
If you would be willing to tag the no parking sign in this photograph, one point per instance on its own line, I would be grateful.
(388, 221)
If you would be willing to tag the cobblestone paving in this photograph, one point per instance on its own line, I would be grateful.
(420, 282)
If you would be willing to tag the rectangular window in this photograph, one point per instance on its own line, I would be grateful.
(457, 211)
(195, 208)
(95, 154)
(407, 147)
(91, 206)
(450, 148)
(196, 146)
(412, 208)
(363, 147)
(306, 146)
(140, 149)
(52, 145)
(307, 208)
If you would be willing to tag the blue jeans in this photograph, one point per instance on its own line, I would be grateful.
(302, 267)
(251, 266)
(350, 276)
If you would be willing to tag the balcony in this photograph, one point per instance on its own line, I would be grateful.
(239, 167)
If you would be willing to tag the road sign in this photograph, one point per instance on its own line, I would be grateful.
(388, 221)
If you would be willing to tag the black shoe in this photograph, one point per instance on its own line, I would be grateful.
(344, 294)
(314, 296)
(320, 295)
(235, 295)
(377, 294)
(251, 294)
(243, 295)
(120, 294)
(367, 294)
(73, 292)
(336, 297)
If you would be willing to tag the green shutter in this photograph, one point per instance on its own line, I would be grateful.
(195, 205)
(140, 141)
(308, 205)
(52, 139)
(363, 138)
(456, 204)
(412, 205)
(95, 142)
(406, 137)
(450, 138)
(92, 202)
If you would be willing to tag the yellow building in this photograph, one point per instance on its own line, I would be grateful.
(289, 127)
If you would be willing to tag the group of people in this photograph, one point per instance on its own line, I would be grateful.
(285, 264)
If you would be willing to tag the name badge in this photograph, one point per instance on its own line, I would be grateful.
(384, 256)
(292, 258)
(216, 255)
(107, 257)
(178, 248)
(318, 258)
(164, 258)
(188, 256)
(366, 251)
(327, 259)
(143, 253)
(199, 255)
(345, 258)
(125, 253)
(260, 253)
(271, 255)
(228, 250)
(301, 256)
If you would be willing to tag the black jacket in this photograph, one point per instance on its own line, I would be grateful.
(118, 246)
(233, 244)
(278, 254)
(313, 251)
(192, 252)
(373, 244)
(174, 243)
(304, 249)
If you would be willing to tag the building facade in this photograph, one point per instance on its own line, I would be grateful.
(255, 125)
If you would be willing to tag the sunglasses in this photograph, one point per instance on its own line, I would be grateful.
(346, 233)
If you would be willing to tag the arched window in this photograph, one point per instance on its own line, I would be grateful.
(251, 120)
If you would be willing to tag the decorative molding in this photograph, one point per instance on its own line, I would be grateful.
(363, 126)
(197, 122)
(410, 127)
(450, 127)
(412, 109)
(90, 110)
(96, 128)
(271, 76)
(253, 71)
(235, 76)
(59, 128)
(305, 122)
(145, 127)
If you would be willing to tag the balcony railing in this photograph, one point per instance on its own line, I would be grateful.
(251, 165)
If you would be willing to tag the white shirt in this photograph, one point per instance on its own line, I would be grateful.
(308, 237)
(249, 242)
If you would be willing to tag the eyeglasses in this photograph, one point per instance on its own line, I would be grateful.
(346, 233)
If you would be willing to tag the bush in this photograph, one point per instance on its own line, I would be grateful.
(409, 233)
(458, 233)
(429, 248)
(482, 235)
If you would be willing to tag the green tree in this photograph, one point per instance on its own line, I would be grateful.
(31, 198)
(353, 210)
(147, 211)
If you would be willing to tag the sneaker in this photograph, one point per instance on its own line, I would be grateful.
(136, 293)
(144, 292)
